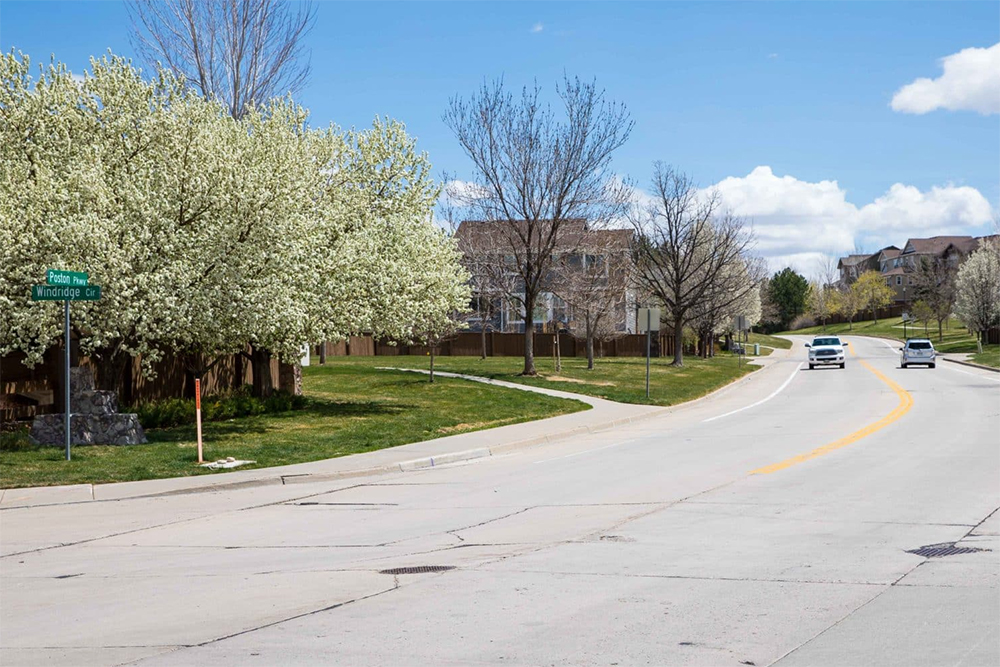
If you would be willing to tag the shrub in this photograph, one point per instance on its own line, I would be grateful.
(15, 440)
(239, 403)
(802, 322)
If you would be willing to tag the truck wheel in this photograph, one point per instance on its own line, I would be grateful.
(842, 365)
(812, 366)
(933, 365)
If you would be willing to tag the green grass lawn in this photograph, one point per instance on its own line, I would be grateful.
(620, 379)
(352, 408)
(990, 356)
(770, 341)
(955, 338)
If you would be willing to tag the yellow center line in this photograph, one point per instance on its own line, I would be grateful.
(905, 403)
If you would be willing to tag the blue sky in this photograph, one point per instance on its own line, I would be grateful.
(721, 90)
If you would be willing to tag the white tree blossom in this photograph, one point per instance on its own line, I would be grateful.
(208, 233)
(977, 286)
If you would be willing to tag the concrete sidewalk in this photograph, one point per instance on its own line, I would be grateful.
(602, 415)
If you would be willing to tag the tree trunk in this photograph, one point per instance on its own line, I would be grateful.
(529, 336)
(55, 369)
(290, 378)
(483, 340)
(590, 351)
(110, 366)
(322, 353)
(432, 363)
(940, 333)
(260, 362)
(678, 342)
(239, 372)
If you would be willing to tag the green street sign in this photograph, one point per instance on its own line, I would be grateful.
(59, 293)
(66, 278)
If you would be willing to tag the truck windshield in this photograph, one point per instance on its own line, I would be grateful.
(826, 341)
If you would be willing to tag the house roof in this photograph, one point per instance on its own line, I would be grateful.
(851, 260)
(898, 271)
(891, 252)
(936, 245)
(573, 234)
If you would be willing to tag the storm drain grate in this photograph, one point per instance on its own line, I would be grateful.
(419, 569)
(942, 550)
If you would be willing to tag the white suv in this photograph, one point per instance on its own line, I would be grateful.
(917, 351)
(826, 350)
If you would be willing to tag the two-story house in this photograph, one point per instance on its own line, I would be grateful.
(491, 258)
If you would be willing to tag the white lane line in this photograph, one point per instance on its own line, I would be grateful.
(763, 400)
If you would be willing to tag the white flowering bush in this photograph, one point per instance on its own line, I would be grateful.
(207, 232)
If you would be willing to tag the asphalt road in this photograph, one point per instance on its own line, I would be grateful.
(773, 524)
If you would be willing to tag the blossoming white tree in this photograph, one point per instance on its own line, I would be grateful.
(207, 233)
(978, 291)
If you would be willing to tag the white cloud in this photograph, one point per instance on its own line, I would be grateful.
(944, 210)
(791, 217)
(798, 223)
(458, 192)
(538, 27)
(970, 82)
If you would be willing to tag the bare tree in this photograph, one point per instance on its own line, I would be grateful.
(934, 285)
(594, 282)
(540, 180)
(241, 52)
(493, 283)
(685, 252)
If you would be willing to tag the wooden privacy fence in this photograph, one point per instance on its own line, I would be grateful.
(470, 344)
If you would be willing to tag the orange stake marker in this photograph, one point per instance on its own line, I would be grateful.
(197, 413)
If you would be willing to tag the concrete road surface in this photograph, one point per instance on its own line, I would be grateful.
(772, 524)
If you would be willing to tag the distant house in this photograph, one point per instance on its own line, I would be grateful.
(851, 267)
(897, 266)
(489, 257)
(899, 269)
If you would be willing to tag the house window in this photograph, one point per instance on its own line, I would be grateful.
(899, 280)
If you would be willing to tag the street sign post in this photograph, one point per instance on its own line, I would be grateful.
(649, 321)
(66, 286)
(740, 325)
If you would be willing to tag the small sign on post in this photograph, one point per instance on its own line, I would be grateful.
(648, 321)
(740, 325)
(66, 286)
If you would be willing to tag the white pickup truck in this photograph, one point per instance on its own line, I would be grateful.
(826, 350)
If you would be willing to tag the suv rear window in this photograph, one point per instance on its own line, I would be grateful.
(919, 345)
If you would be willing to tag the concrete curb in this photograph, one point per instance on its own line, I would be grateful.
(972, 364)
(423, 463)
